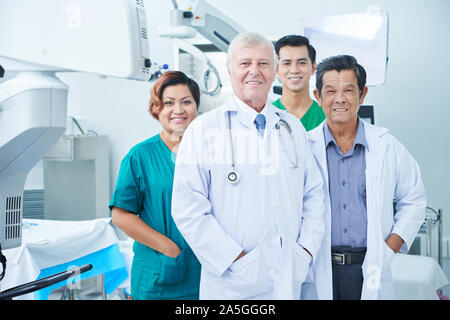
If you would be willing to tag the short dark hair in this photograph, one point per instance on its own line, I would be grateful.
(294, 40)
(171, 78)
(338, 63)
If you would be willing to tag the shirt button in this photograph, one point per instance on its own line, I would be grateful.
(345, 206)
(343, 183)
(275, 204)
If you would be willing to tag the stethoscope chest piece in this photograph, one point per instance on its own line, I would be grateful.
(233, 177)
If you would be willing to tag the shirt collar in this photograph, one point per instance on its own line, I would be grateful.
(360, 137)
(327, 135)
(249, 111)
(360, 134)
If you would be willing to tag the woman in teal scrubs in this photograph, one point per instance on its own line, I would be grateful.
(164, 266)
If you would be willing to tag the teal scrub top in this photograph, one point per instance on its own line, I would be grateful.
(144, 187)
(311, 119)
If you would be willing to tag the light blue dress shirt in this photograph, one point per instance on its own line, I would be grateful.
(347, 185)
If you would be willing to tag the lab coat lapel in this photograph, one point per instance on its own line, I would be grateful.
(272, 116)
(372, 266)
(375, 154)
(374, 164)
(317, 140)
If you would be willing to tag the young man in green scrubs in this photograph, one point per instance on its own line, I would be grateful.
(297, 63)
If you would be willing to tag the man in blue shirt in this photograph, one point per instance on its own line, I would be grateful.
(364, 169)
(347, 186)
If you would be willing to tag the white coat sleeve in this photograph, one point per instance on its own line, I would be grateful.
(191, 208)
(312, 228)
(410, 196)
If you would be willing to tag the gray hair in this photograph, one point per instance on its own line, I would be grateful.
(338, 63)
(250, 39)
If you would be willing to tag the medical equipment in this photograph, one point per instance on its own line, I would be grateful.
(194, 51)
(281, 122)
(76, 178)
(433, 219)
(55, 246)
(43, 283)
(234, 176)
(80, 36)
(199, 16)
(428, 241)
(37, 97)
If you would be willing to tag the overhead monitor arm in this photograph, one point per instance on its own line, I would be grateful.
(191, 17)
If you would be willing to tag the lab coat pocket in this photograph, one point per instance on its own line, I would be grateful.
(388, 255)
(172, 270)
(248, 276)
(302, 262)
(294, 176)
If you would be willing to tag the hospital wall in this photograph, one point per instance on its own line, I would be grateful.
(413, 103)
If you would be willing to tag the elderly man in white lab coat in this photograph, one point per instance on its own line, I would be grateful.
(249, 198)
(364, 169)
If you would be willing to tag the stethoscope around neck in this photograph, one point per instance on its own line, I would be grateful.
(234, 176)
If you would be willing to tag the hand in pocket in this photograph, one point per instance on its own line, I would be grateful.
(172, 270)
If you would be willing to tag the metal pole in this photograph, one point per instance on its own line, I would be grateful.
(440, 220)
(104, 297)
(429, 237)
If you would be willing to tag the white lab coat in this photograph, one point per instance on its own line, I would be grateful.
(391, 172)
(271, 213)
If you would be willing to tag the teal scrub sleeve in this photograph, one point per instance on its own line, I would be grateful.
(128, 193)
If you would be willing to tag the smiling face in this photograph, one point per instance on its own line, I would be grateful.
(252, 74)
(340, 97)
(179, 109)
(295, 68)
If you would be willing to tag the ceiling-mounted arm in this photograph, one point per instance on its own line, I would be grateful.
(212, 24)
(189, 17)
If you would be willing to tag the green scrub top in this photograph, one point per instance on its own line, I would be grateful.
(144, 187)
(311, 119)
